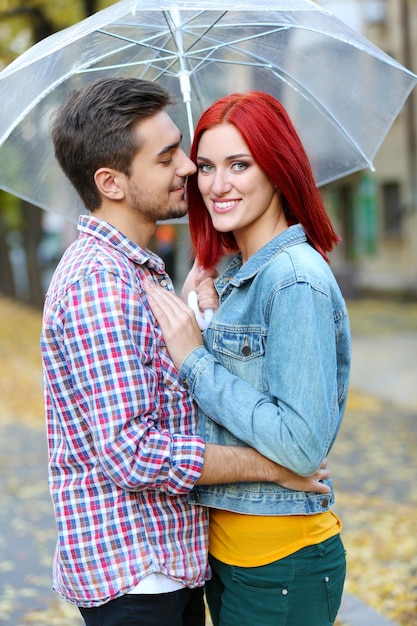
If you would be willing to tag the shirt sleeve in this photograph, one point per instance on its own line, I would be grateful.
(295, 421)
(126, 389)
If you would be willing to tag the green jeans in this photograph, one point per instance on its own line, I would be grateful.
(302, 589)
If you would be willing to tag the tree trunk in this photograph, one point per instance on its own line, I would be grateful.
(31, 236)
(7, 284)
(90, 7)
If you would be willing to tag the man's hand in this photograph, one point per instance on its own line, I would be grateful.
(305, 483)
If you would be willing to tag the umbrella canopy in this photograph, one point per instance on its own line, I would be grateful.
(342, 92)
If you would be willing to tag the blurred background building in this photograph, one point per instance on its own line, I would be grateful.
(376, 212)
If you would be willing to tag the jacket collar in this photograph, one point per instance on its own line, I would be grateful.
(236, 273)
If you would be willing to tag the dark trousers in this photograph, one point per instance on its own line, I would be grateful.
(303, 589)
(178, 608)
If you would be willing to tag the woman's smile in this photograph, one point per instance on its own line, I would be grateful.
(224, 206)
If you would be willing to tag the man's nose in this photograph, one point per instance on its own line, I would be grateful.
(186, 167)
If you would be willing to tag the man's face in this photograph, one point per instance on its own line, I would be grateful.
(156, 186)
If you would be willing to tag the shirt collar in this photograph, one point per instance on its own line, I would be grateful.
(111, 236)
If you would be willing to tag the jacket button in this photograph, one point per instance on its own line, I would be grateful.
(246, 350)
(324, 503)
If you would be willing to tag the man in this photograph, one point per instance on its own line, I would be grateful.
(122, 453)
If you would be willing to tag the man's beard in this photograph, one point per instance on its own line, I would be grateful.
(175, 212)
(153, 213)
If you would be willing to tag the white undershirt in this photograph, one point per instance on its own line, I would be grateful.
(157, 583)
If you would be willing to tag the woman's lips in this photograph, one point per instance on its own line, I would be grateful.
(223, 206)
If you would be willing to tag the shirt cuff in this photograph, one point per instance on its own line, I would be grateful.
(188, 453)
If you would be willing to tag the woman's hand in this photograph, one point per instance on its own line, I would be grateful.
(200, 294)
(201, 281)
(177, 321)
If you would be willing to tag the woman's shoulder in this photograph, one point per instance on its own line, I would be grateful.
(297, 264)
(298, 258)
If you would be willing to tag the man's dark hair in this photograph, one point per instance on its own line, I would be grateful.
(93, 129)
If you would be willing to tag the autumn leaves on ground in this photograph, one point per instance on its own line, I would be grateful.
(374, 466)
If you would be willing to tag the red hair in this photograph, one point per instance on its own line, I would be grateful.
(274, 144)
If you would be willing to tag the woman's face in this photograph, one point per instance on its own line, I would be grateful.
(237, 193)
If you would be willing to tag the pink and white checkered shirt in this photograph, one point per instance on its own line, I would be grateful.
(122, 454)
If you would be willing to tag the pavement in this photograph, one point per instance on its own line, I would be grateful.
(354, 612)
(386, 367)
(383, 367)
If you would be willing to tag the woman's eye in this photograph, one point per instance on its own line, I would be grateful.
(205, 168)
(240, 166)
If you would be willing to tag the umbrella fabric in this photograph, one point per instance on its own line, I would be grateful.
(342, 92)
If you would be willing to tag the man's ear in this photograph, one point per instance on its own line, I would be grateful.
(109, 183)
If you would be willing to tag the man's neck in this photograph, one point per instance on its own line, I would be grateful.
(127, 222)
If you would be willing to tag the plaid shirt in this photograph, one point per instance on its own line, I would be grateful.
(122, 455)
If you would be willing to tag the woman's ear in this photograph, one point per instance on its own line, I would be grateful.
(109, 183)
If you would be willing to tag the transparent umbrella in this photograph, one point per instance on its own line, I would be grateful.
(342, 92)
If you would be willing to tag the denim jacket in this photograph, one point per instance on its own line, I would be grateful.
(273, 372)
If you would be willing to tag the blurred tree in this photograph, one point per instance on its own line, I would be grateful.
(22, 24)
(9, 213)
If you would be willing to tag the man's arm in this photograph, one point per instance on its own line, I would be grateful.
(228, 464)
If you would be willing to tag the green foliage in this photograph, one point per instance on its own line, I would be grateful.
(10, 211)
(23, 22)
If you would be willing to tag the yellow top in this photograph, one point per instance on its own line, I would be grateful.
(253, 540)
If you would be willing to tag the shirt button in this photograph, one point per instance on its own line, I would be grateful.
(284, 592)
(326, 579)
(163, 282)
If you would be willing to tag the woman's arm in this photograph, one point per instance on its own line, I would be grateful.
(292, 425)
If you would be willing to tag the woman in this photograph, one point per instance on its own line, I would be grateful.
(273, 372)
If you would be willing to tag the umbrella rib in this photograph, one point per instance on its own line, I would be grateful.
(134, 42)
(245, 39)
(148, 62)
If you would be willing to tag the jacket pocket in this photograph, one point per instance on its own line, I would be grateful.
(242, 351)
